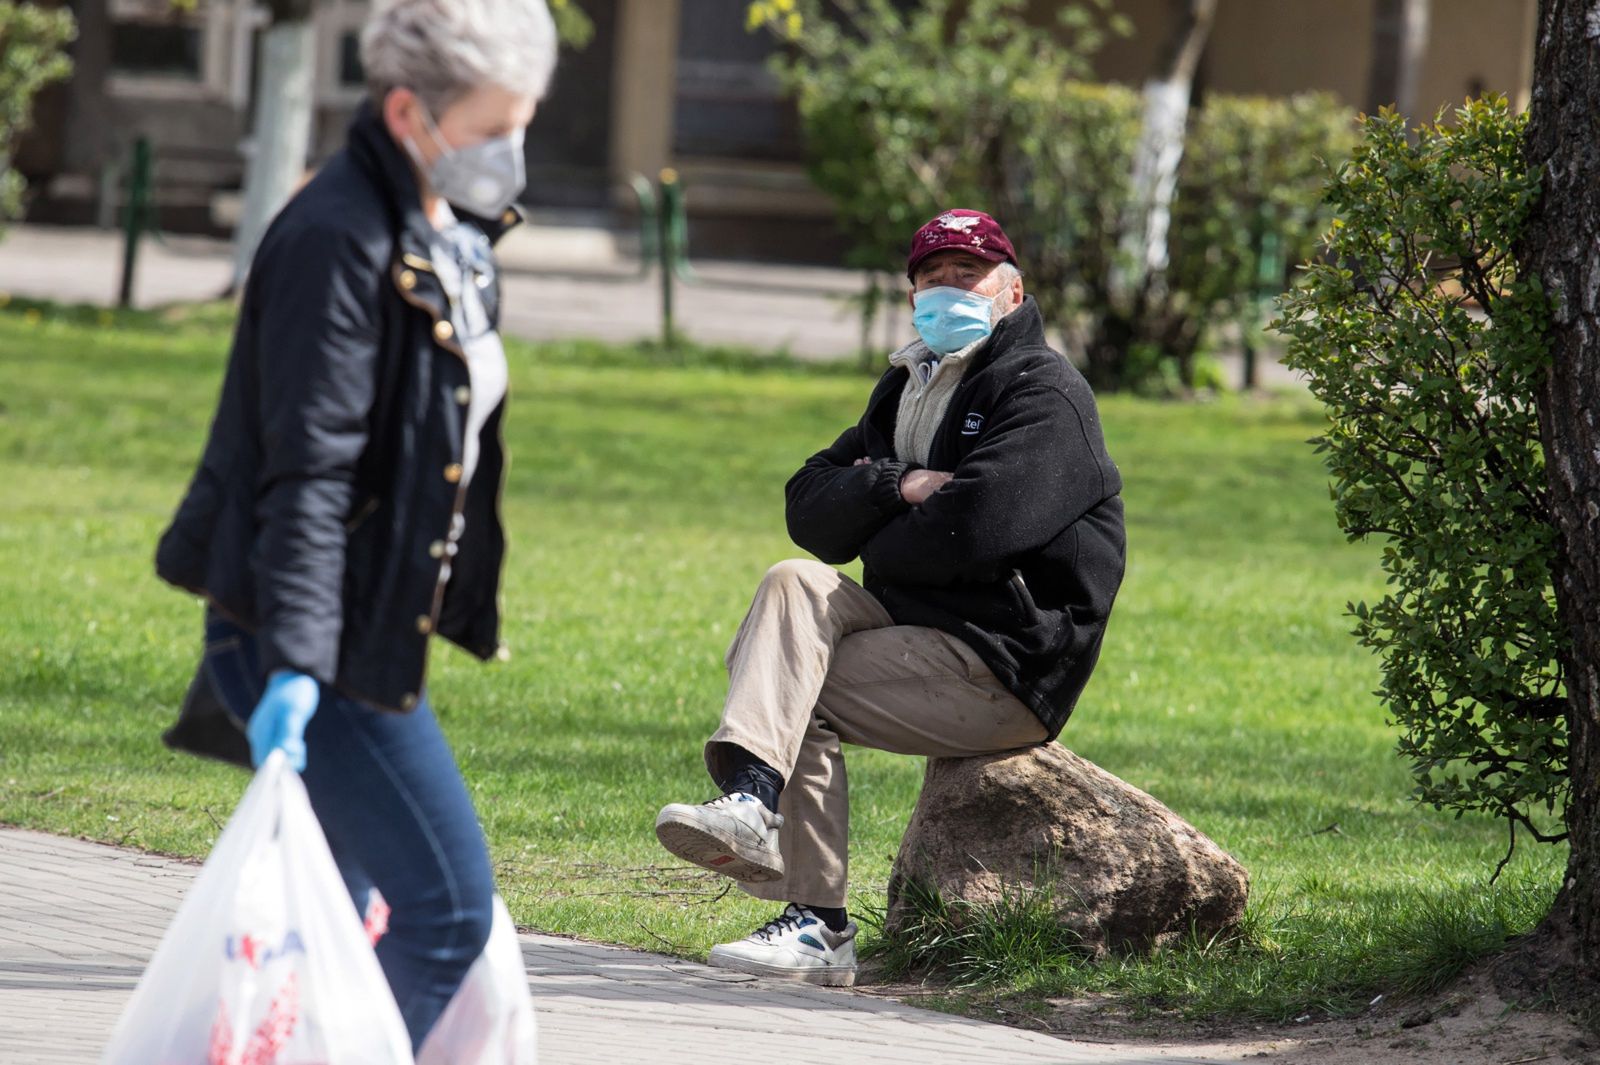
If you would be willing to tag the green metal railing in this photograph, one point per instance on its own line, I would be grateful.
(663, 228)
(137, 216)
(664, 241)
(1268, 286)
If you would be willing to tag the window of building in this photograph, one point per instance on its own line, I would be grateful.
(157, 40)
(341, 81)
(351, 76)
(728, 103)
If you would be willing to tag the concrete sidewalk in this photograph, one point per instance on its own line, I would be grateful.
(79, 920)
(559, 284)
(550, 293)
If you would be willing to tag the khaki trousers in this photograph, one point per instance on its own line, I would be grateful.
(819, 662)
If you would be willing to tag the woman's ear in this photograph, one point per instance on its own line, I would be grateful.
(399, 109)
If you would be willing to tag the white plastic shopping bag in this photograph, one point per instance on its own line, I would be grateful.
(490, 1020)
(266, 962)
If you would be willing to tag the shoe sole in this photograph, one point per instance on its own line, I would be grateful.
(823, 976)
(694, 843)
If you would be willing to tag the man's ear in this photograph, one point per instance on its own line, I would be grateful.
(911, 298)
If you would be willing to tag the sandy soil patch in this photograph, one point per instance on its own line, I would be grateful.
(1468, 1024)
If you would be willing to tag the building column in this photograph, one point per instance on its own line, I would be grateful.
(644, 86)
(1527, 49)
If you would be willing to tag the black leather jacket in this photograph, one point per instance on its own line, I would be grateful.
(319, 517)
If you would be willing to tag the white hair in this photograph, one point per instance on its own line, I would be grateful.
(1007, 272)
(443, 49)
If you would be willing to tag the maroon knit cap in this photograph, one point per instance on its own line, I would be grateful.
(960, 230)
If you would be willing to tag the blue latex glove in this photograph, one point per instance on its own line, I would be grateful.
(280, 718)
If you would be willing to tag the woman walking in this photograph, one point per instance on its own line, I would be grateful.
(346, 507)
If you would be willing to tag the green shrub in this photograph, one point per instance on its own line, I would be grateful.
(907, 113)
(904, 111)
(574, 27)
(1428, 350)
(1252, 178)
(31, 57)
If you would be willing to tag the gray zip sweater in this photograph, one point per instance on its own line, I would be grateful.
(932, 381)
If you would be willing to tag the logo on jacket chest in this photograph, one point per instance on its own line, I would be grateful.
(972, 424)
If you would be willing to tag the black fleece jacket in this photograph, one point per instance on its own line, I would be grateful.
(1021, 554)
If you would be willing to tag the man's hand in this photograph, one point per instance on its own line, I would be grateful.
(918, 485)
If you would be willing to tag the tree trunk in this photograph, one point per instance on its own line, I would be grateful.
(1399, 42)
(1560, 248)
(1160, 150)
(281, 137)
(1106, 350)
(91, 115)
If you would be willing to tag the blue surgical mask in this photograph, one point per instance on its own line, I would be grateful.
(950, 319)
(484, 178)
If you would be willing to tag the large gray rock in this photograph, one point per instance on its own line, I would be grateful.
(1122, 871)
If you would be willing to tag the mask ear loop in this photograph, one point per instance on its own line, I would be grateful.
(439, 142)
(410, 145)
(519, 140)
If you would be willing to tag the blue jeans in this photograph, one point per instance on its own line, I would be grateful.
(397, 816)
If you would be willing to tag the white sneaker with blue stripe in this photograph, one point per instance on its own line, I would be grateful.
(734, 834)
(795, 945)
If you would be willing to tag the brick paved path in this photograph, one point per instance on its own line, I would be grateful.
(79, 920)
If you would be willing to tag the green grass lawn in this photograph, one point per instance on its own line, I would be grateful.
(644, 503)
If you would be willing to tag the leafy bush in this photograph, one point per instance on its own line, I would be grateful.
(31, 57)
(905, 109)
(1428, 350)
(574, 27)
(1252, 180)
(907, 113)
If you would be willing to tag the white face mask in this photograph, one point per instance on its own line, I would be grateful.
(483, 178)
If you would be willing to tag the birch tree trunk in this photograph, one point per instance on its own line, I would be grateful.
(1562, 247)
(281, 137)
(1399, 43)
(1155, 166)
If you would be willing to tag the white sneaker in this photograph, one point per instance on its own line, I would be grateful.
(734, 834)
(794, 946)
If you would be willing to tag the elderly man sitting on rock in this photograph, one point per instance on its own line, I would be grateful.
(977, 492)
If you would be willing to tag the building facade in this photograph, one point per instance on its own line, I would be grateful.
(663, 83)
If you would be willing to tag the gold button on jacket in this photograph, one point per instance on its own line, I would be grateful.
(452, 473)
(443, 330)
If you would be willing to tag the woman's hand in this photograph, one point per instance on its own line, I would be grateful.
(280, 718)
